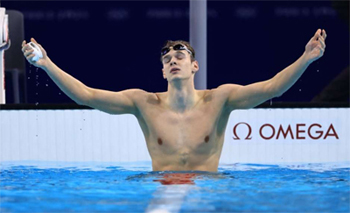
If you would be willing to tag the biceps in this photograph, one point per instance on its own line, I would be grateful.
(112, 102)
(252, 95)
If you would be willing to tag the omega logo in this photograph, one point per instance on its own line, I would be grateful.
(301, 132)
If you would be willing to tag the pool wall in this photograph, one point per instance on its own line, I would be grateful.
(307, 135)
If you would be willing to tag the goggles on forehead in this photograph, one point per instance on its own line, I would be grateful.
(165, 50)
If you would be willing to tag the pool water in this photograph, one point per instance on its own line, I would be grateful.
(133, 187)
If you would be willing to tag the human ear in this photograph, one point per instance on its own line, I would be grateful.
(163, 74)
(195, 66)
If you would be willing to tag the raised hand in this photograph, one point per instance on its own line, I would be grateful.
(315, 48)
(28, 53)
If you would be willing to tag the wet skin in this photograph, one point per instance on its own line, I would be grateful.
(191, 140)
(183, 127)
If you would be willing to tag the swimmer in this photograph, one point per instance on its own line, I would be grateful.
(184, 128)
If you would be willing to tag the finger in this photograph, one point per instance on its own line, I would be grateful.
(30, 57)
(23, 43)
(33, 40)
(321, 49)
(320, 37)
(324, 34)
(26, 48)
(28, 52)
(23, 46)
(318, 32)
(321, 40)
(37, 43)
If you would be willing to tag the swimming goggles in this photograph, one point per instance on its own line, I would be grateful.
(165, 50)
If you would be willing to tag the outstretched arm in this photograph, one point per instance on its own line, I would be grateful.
(110, 102)
(244, 97)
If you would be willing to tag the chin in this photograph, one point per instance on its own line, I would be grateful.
(176, 78)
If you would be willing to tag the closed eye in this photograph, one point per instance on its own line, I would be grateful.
(166, 59)
(180, 56)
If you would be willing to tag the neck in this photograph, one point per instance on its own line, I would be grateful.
(181, 94)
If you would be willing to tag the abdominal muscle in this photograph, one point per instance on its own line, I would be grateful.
(201, 157)
(185, 162)
(186, 141)
(184, 145)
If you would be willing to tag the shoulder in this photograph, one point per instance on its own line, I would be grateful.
(135, 92)
(138, 94)
(142, 97)
(225, 90)
(222, 94)
(216, 95)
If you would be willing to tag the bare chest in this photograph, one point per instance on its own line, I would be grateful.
(182, 130)
(192, 132)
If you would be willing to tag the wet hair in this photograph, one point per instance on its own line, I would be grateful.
(170, 43)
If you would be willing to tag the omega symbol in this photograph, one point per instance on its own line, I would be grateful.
(235, 133)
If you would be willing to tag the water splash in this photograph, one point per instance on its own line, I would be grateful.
(36, 85)
(36, 91)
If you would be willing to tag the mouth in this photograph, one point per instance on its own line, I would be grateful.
(175, 69)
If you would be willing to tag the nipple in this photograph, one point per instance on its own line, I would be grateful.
(160, 142)
(206, 139)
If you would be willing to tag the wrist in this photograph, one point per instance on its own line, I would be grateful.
(46, 64)
(305, 59)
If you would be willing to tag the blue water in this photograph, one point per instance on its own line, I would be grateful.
(132, 187)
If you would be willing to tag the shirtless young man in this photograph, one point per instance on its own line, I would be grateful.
(184, 128)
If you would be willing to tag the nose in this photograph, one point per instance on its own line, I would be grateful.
(173, 63)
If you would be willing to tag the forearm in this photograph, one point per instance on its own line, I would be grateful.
(73, 88)
(286, 78)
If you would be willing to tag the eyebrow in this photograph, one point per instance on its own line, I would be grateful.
(179, 51)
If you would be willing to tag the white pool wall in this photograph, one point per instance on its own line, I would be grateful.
(94, 136)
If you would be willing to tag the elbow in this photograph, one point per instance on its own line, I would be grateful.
(276, 93)
(81, 102)
(85, 97)
(273, 91)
